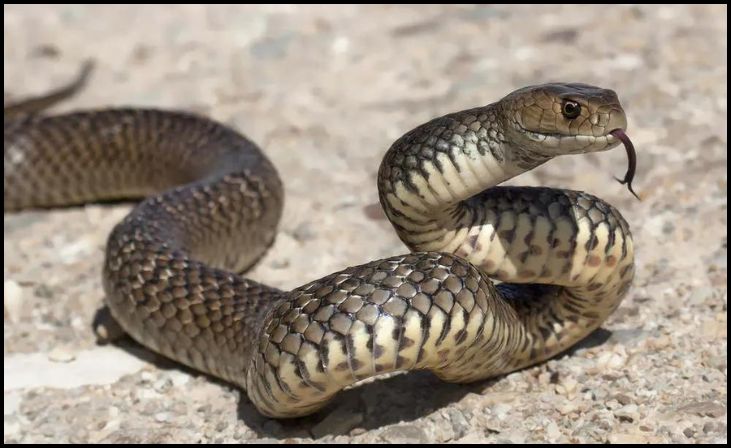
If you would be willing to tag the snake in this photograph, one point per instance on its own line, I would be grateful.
(497, 278)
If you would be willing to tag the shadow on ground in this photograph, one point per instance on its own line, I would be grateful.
(397, 399)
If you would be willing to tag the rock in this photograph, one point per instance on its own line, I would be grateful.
(162, 417)
(404, 434)
(629, 413)
(617, 361)
(544, 378)
(704, 409)
(501, 410)
(660, 342)
(13, 300)
(61, 354)
(460, 425)
(43, 291)
(179, 378)
(567, 407)
(567, 386)
(552, 431)
(603, 360)
(106, 328)
(305, 231)
(713, 329)
(609, 360)
(700, 295)
(162, 385)
(279, 264)
(623, 399)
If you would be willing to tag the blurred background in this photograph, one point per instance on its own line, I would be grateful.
(325, 90)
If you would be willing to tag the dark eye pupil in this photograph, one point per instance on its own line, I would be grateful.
(571, 109)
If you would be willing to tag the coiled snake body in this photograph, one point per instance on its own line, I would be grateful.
(214, 201)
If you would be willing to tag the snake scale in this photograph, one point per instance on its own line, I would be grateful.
(213, 201)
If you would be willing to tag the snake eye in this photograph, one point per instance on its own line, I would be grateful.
(571, 109)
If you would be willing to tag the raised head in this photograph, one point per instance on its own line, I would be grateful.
(562, 118)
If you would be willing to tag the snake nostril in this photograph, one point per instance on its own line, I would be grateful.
(617, 120)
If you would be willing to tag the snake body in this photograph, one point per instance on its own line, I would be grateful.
(213, 201)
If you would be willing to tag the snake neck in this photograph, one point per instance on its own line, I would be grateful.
(565, 257)
(430, 178)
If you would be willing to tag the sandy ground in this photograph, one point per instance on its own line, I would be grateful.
(325, 90)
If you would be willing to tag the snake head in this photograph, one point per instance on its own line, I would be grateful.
(562, 118)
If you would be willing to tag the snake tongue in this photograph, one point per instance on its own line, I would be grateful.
(631, 158)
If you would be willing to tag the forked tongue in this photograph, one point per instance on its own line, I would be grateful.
(631, 158)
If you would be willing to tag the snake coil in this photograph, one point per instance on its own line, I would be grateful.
(213, 201)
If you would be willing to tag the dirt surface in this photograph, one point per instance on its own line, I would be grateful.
(325, 90)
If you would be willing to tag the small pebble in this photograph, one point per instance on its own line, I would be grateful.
(628, 413)
(162, 385)
(660, 343)
(61, 354)
(13, 300)
(501, 410)
(179, 378)
(305, 231)
(405, 433)
(623, 399)
(568, 385)
(162, 417)
(460, 424)
(700, 295)
(552, 431)
(704, 409)
(567, 408)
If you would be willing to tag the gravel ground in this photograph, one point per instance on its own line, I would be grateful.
(325, 90)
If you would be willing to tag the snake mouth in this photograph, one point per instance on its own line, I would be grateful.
(558, 136)
(620, 135)
(611, 137)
